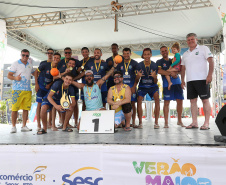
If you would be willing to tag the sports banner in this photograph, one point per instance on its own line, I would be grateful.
(111, 165)
(3, 40)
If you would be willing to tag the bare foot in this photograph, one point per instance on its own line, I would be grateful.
(181, 124)
(54, 129)
(169, 86)
(166, 126)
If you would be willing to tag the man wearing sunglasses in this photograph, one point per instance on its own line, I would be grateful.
(92, 91)
(67, 54)
(40, 86)
(119, 97)
(20, 73)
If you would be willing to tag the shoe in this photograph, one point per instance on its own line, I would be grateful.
(25, 129)
(13, 130)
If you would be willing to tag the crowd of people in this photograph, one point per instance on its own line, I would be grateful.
(121, 85)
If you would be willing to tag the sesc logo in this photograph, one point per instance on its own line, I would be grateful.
(82, 178)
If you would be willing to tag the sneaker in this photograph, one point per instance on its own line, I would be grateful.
(13, 130)
(25, 129)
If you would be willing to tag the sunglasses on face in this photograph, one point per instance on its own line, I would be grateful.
(117, 77)
(49, 53)
(23, 55)
(67, 52)
(88, 75)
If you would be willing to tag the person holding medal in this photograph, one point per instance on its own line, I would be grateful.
(99, 69)
(119, 97)
(58, 97)
(148, 84)
(43, 82)
(40, 93)
(110, 62)
(92, 90)
(128, 67)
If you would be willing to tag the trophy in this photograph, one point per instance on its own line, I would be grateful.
(64, 101)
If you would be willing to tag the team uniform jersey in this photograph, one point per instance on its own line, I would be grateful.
(147, 81)
(175, 92)
(110, 81)
(84, 64)
(120, 95)
(132, 68)
(95, 103)
(45, 77)
(25, 71)
(58, 90)
(165, 64)
(74, 72)
(63, 63)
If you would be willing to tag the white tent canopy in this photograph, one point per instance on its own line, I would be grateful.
(157, 27)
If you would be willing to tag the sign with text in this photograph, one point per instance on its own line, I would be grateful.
(97, 121)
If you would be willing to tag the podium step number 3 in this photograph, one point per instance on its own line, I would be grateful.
(97, 121)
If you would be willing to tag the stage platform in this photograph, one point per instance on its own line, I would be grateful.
(175, 135)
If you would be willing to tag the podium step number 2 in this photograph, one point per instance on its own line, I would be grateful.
(97, 121)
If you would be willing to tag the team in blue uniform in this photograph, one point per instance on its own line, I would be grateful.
(110, 62)
(53, 99)
(43, 81)
(129, 68)
(148, 85)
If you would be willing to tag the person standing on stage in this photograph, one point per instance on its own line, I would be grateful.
(40, 86)
(67, 54)
(82, 68)
(148, 85)
(110, 62)
(43, 82)
(175, 92)
(128, 67)
(99, 69)
(198, 64)
(119, 97)
(20, 73)
(53, 99)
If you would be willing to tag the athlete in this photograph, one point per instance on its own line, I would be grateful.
(43, 82)
(119, 97)
(53, 99)
(99, 69)
(110, 62)
(148, 85)
(129, 67)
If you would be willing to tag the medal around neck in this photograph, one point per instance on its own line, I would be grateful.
(64, 101)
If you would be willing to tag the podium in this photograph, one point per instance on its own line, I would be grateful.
(97, 122)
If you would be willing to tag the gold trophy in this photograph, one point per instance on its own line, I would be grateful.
(64, 101)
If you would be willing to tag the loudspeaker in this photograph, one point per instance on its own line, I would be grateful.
(221, 121)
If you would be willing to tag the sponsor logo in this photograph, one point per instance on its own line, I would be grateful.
(97, 114)
(102, 67)
(47, 72)
(80, 177)
(130, 67)
(161, 173)
(91, 67)
(164, 64)
(197, 53)
(39, 176)
(121, 67)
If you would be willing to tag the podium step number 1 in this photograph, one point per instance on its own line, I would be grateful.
(97, 121)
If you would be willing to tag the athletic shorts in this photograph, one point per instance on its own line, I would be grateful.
(104, 96)
(119, 117)
(82, 95)
(21, 100)
(175, 92)
(40, 95)
(151, 91)
(198, 88)
(76, 92)
(46, 102)
(134, 97)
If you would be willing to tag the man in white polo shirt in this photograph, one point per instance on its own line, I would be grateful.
(198, 64)
(20, 72)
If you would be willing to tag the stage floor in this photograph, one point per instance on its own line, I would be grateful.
(175, 135)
